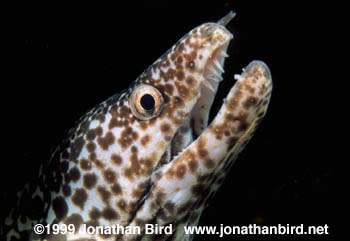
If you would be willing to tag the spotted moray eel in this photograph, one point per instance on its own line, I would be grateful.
(147, 154)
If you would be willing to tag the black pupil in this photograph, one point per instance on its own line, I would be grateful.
(147, 102)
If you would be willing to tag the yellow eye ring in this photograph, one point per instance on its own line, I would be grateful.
(146, 102)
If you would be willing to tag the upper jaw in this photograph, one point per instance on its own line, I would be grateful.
(205, 47)
(212, 72)
(197, 121)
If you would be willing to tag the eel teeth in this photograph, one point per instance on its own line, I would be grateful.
(208, 85)
(214, 77)
(224, 54)
(212, 70)
(218, 66)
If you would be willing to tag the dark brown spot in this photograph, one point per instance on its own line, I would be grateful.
(171, 73)
(185, 207)
(145, 139)
(261, 114)
(208, 163)
(64, 166)
(135, 166)
(127, 173)
(127, 137)
(148, 163)
(109, 175)
(60, 207)
(101, 117)
(91, 134)
(169, 206)
(94, 214)
(74, 174)
(104, 194)
(84, 126)
(242, 119)
(92, 223)
(99, 164)
(109, 214)
(165, 128)
(250, 102)
(143, 125)
(99, 130)
(114, 123)
(79, 198)
(136, 193)
(133, 205)
(139, 222)
(85, 165)
(116, 189)
(232, 104)
(231, 142)
(154, 206)
(203, 153)
(229, 117)
(193, 165)
(91, 147)
(122, 205)
(74, 219)
(183, 91)
(89, 180)
(181, 47)
(134, 149)
(198, 189)
(160, 196)
(190, 80)
(178, 102)
(180, 75)
(169, 89)
(66, 190)
(250, 89)
(92, 157)
(203, 178)
(243, 126)
(105, 235)
(162, 215)
(116, 159)
(181, 171)
(76, 148)
(67, 178)
(106, 141)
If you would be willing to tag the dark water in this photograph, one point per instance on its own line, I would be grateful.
(68, 65)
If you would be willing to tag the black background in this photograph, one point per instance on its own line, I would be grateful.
(70, 58)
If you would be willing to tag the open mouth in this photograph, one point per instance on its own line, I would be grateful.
(212, 76)
(197, 121)
(216, 38)
(214, 67)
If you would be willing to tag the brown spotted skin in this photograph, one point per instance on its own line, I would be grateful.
(115, 168)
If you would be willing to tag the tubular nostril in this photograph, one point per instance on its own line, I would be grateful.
(227, 18)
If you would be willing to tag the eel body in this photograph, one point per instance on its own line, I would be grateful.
(147, 154)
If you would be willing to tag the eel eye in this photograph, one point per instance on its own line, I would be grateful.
(146, 102)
